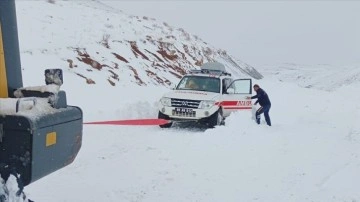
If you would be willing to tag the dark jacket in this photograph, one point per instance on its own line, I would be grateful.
(262, 97)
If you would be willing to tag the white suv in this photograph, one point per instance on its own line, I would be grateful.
(206, 96)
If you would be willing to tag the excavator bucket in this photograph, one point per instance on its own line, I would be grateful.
(34, 141)
(36, 147)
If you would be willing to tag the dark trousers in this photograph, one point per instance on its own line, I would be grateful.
(263, 109)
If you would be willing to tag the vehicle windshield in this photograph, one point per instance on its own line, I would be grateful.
(200, 83)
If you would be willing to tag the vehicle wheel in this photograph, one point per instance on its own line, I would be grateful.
(216, 119)
(163, 116)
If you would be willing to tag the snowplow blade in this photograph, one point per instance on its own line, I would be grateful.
(36, 147)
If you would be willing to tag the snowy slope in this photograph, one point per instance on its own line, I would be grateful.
(104, 45)
(311, 153)
(320, 76)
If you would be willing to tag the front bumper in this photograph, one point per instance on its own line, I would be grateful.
(180, 113)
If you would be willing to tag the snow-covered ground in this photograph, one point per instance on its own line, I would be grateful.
(320, 76)
(311, 153)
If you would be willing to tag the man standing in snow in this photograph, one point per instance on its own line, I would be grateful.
(265, 104)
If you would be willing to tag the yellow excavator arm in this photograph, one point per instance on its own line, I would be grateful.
(3, 78)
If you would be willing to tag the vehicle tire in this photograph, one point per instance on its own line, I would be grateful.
(163, 116)
(216, 119)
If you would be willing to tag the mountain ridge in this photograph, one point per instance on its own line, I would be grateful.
(102, 44)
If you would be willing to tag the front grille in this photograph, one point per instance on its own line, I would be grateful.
(194, 104)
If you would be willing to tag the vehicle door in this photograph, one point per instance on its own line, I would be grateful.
(234, 98)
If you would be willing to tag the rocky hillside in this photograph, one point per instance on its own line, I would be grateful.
(102, 44)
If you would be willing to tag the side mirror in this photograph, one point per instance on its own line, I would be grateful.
(54, 76)
(230, 91)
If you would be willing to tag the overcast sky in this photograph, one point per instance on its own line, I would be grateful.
(262, 32)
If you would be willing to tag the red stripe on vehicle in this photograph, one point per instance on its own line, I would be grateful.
(237, 107)
(228, 103)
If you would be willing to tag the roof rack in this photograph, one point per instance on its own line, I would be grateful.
(210, 71)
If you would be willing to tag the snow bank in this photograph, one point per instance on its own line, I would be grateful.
(51, 88)
(31, 108)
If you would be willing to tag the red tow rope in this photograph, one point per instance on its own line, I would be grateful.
(133, 122)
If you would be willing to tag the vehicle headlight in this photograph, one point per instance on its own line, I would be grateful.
(206, 104)
(166, 101)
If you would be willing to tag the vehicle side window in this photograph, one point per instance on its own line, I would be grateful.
(241, 86)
